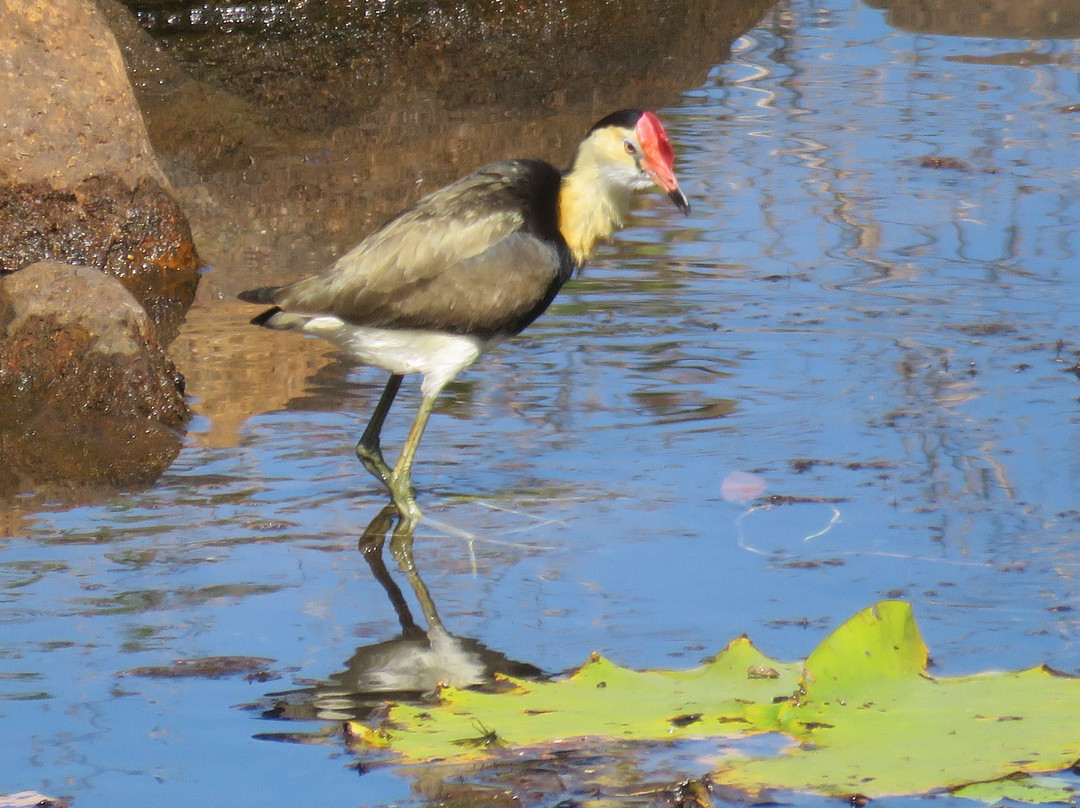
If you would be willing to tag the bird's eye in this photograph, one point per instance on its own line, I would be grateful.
(630, 147)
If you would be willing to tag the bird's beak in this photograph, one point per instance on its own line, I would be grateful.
(680, 200)
(659, 158)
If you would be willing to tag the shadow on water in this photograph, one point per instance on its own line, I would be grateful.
(411, 666)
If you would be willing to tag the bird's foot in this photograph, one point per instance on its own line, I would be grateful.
(402, 493)
(371, 456)
(409, 512)
(404, 498)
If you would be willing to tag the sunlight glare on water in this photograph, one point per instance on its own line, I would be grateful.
(872, 313)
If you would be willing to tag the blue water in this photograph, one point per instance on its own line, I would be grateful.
(873, 309)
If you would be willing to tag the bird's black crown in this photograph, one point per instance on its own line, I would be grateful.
(626, 118)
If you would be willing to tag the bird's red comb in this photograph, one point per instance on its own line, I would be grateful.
(659, 155)
(654, 140)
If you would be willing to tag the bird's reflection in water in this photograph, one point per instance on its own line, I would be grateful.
(410, 666)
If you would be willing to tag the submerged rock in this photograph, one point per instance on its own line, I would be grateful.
(89, 397)
(999, 19)
(321, 66)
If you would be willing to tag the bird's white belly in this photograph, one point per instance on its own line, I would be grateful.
(436, 355)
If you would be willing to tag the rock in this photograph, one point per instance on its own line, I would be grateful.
(996, 19)
(89, 397)
(320, 66)
(78, 180)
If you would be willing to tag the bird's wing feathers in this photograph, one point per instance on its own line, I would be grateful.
(466, 259)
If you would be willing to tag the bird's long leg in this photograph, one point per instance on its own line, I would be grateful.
(400, 482)
(369, 449)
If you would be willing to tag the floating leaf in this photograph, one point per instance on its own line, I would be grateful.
(601, 699)
(869, 719)
(862, 714)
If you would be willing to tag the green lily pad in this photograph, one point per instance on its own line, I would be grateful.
(869, 720)
(862, 714)
(722, 698)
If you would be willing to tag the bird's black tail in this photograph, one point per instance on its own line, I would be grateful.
(264, 294)
(265, 317)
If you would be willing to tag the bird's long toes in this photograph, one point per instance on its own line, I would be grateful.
(408, 510)
(403, 496)
(372, 458)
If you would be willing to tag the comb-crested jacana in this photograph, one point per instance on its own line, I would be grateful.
(469, 266)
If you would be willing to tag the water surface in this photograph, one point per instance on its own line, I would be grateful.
(873, 309)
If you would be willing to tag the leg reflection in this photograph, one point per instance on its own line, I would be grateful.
(410, 666)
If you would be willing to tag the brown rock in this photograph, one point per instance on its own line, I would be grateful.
(1002, 19)
(78, 180)
(88, 398)
(136, 234)
(321, 66)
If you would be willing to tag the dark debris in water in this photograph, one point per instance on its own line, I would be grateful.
(788, 499)
(813, 563)
(944, 162)
(985, 329)
(218, 667)
(801, 465)
(799, 622)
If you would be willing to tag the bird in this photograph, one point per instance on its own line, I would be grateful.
(468, 266)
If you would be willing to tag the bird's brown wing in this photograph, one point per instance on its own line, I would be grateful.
(475, 257)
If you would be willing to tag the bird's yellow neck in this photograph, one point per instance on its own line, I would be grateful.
(591, 205)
